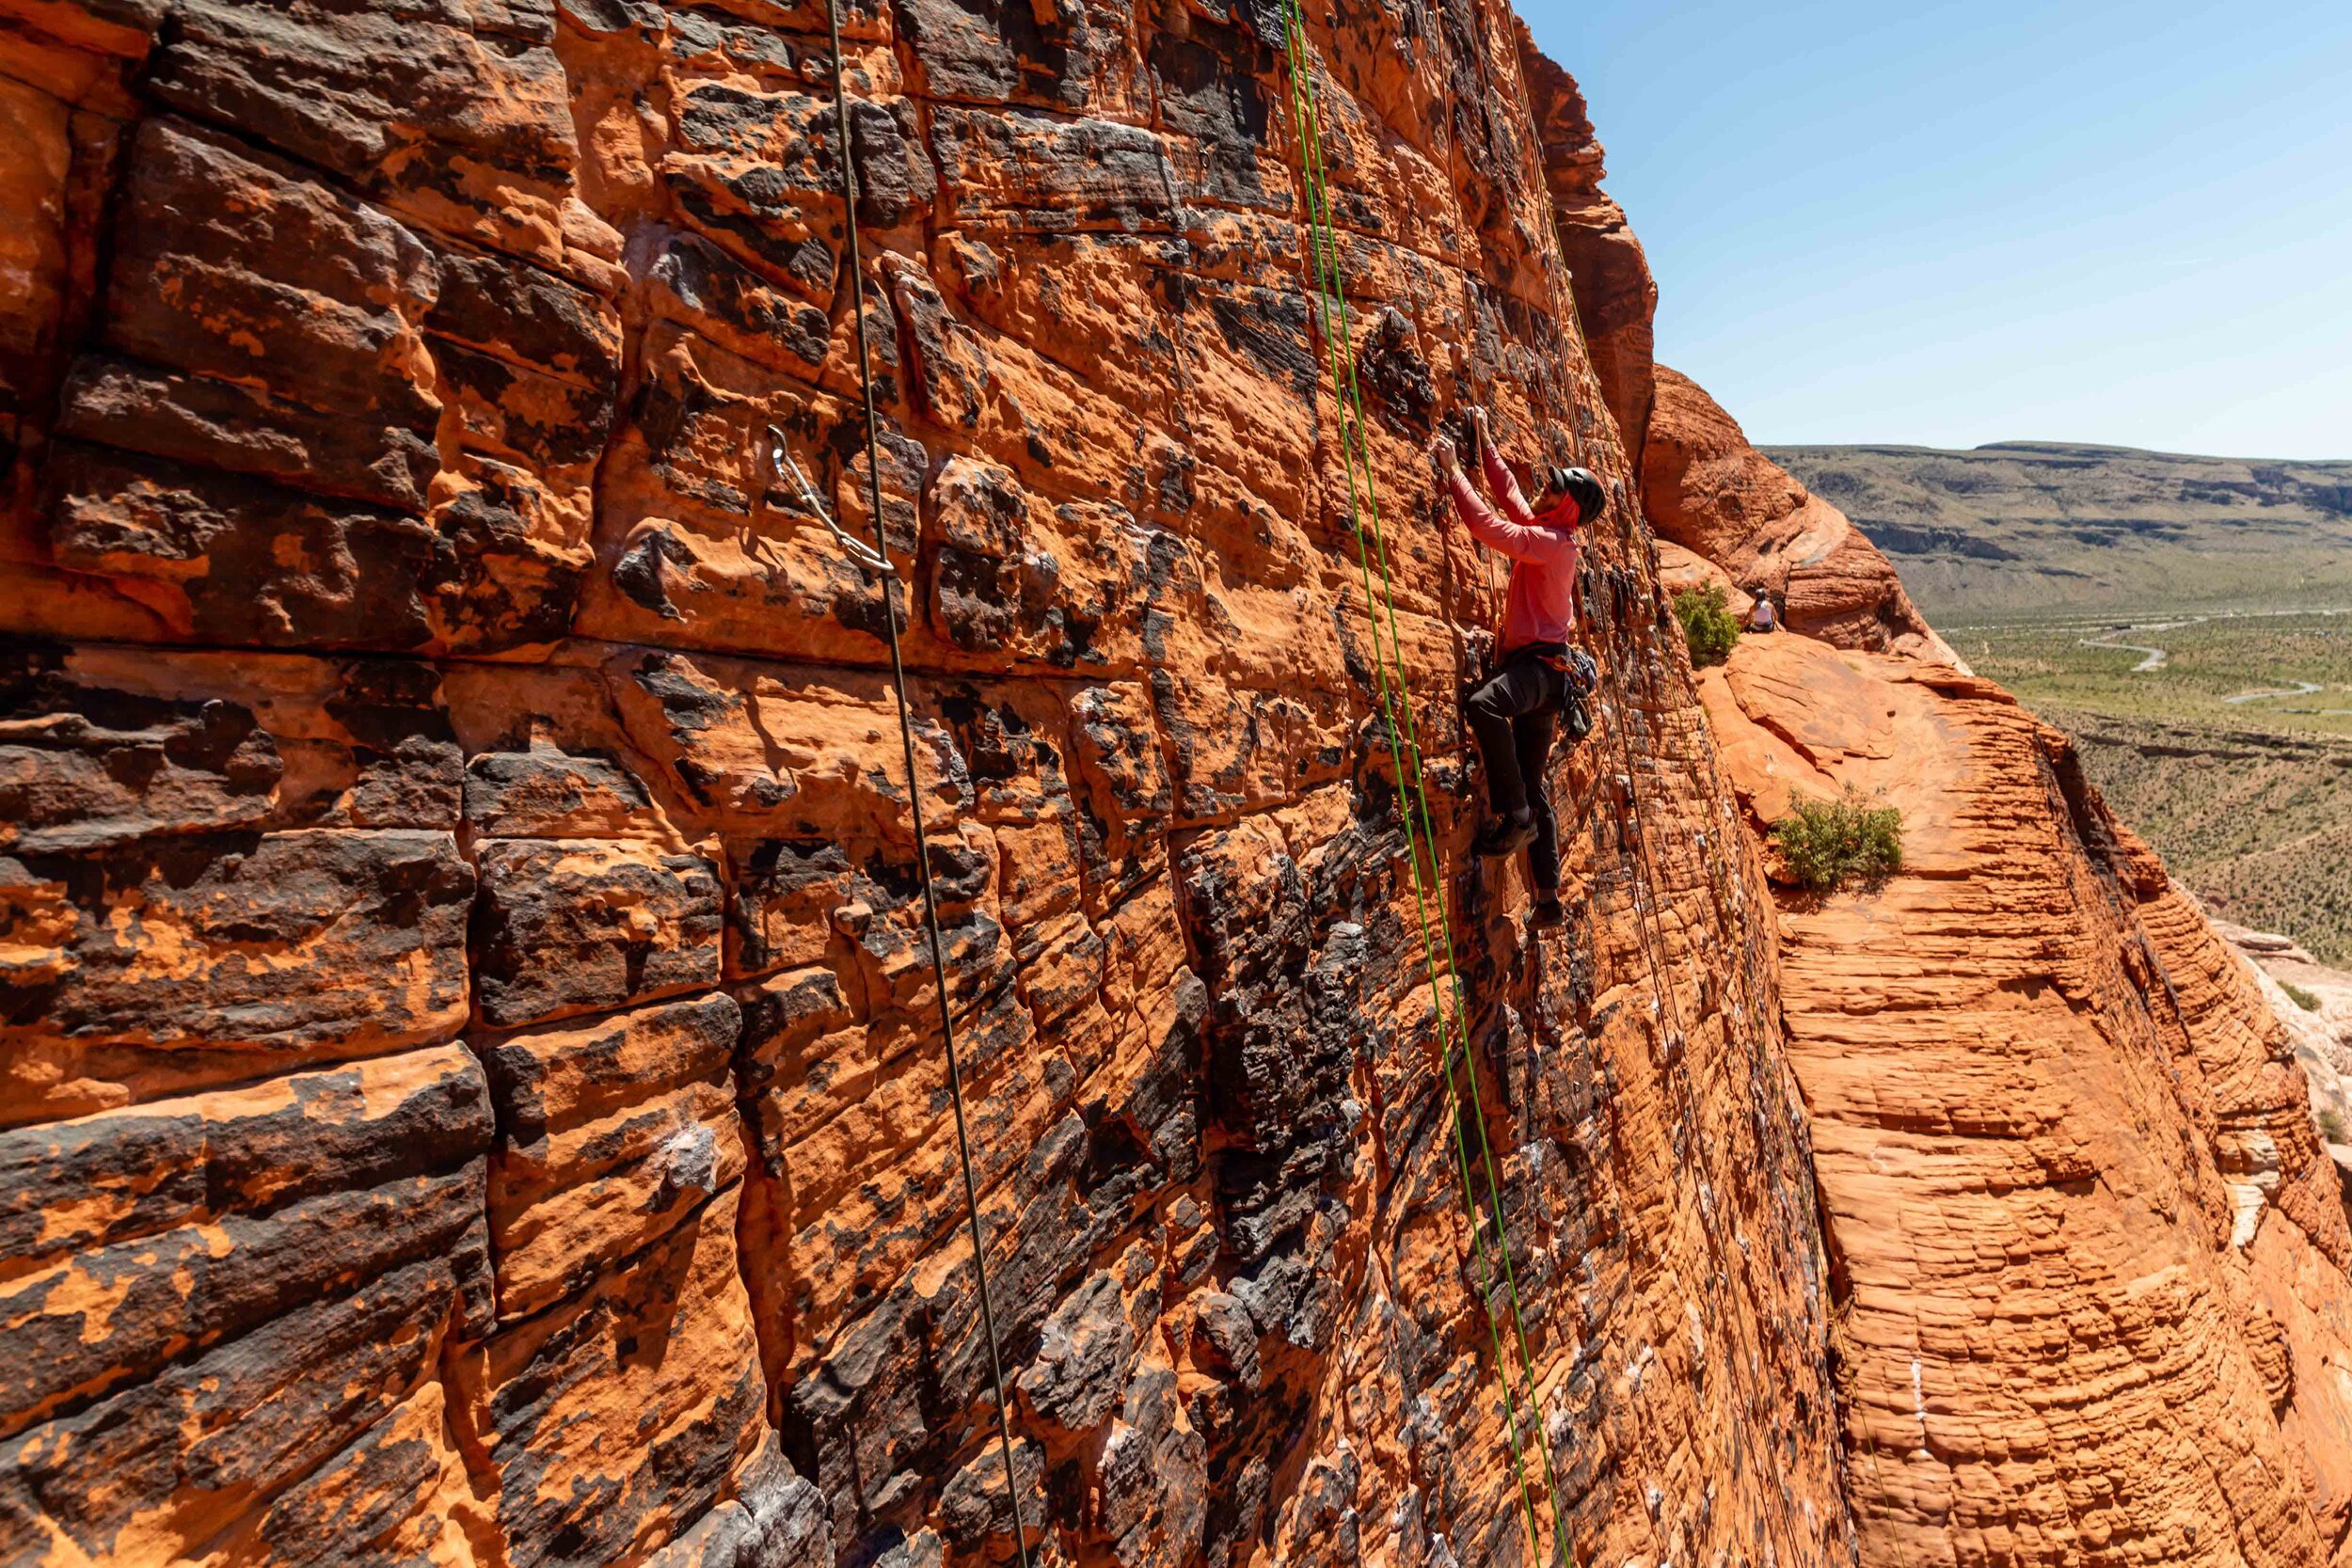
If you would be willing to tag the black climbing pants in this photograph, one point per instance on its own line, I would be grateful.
(1513, 713)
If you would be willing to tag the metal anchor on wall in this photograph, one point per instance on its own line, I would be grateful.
(788, 470)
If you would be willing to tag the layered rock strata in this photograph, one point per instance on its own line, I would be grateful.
(1616, 296)
(2314, 1002)
(2089, 1255)
(472, 1087)
(1709, 492)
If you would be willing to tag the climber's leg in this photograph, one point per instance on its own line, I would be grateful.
(1496, 708)
(1511, 692)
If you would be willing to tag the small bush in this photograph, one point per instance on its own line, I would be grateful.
(1825, 843)
(2331, 1127)
(2300, 997)
(1709, 628)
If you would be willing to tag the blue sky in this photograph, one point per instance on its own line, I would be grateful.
(1951, 224)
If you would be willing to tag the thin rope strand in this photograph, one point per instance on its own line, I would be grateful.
(915, 795)
(1324, 252)
(1412, 748)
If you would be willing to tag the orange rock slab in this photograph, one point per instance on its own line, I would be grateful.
(1708, 491)
(477, 1085)
(2086, 1246)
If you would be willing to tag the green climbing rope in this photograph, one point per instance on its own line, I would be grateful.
(1395, 703)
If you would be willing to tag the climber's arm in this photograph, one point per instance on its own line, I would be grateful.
(1520, 541)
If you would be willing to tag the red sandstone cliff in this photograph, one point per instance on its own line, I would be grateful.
(2088, 1254)
(471, 1089)
(1710, 493)
(1616, 296)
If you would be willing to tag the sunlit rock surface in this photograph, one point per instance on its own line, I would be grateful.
(2088, 1249)
(1710, 493)
(474, 1092)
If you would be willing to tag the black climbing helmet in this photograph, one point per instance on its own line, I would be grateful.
(1578, 484)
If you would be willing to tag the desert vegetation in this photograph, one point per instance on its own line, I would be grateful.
(2276, 671)
(1825, 845)
(2232, 756)
(1708, 627)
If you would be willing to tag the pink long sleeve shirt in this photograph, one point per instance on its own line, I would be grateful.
(1541, 605)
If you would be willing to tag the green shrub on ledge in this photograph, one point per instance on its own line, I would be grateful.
(1709, 628)
(1826, 843)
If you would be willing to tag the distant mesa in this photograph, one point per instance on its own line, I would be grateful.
(2025, 526)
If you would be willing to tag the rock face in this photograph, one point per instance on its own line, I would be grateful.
(474, 1091)
(2314, 1002)
(1709, 492)
(473, 1087)
(2088, 1254)
(1616, 296)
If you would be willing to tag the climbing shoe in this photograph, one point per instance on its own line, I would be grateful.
(1547, 916)
(1504, 835)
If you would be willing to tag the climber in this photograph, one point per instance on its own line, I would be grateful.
(1761, 617)
(1513, 711)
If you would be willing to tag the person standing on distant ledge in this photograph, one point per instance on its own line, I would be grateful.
(1513, 711)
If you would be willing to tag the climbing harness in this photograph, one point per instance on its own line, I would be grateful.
(1395, 704)
(1578, 677)
(875, 562)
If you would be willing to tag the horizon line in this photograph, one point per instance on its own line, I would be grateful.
(2040, 444)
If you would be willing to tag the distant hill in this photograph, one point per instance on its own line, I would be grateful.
(2021, 526)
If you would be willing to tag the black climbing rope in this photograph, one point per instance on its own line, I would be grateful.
(914, 793)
